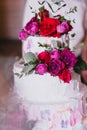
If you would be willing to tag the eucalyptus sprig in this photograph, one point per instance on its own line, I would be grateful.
(46, 46)
(72, 10)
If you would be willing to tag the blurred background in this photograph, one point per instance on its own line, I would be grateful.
(11, 14)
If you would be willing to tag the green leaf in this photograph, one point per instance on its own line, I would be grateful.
(73, 35)
(46, 46)
(30, 7)
(56, 44)
(42, 45)
(62, 19)
(41, 9)
(22, 62)
(30, 57)
(74, 21)
(50, 7)
(19, 74)
(80, 65)
(72, 10)
(28, 68)
(82, 44)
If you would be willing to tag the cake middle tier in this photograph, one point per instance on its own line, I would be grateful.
(36, 44)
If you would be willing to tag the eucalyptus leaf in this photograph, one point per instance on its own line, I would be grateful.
(50, 7)
(19, 74)
(27, 69)
(55, 44)
(22, 62)
(46, 46)
(72, 10)
(30, 7)
(74, 21)
(30, 57)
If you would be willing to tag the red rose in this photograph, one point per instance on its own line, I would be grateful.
(44, 57)
(43, 13)
(65, 75)
(48, 27)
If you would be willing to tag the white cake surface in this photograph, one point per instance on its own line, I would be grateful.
(44, 88)
(49, 102)
(31, 43)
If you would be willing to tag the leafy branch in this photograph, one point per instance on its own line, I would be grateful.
(72, 10)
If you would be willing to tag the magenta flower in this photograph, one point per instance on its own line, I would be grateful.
(41, 69)
(68, 58)
(22, 35)
(55, 67)
(64, 27)
(32, 26)
(55, 54)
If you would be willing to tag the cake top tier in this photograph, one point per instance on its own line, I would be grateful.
(45, 20)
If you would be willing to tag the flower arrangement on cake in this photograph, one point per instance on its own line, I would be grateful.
(57, 59)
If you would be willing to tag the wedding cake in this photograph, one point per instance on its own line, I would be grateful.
(44, 77)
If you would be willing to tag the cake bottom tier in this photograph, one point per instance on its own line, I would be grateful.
(55, 116)
(44, 88)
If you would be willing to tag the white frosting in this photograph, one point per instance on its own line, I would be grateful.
(50, 116)
(44, 88)
(31, 43)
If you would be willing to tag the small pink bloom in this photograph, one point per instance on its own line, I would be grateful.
(22, 35)
(55, 54)
(41, 69)
(32, 26)
(64, 27)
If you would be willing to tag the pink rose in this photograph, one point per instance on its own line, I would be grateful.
(41, 69)
(22, 35)
(55, 54)
(32, 26)
(64, 27)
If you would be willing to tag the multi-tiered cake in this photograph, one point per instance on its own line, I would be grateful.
(44, 78)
